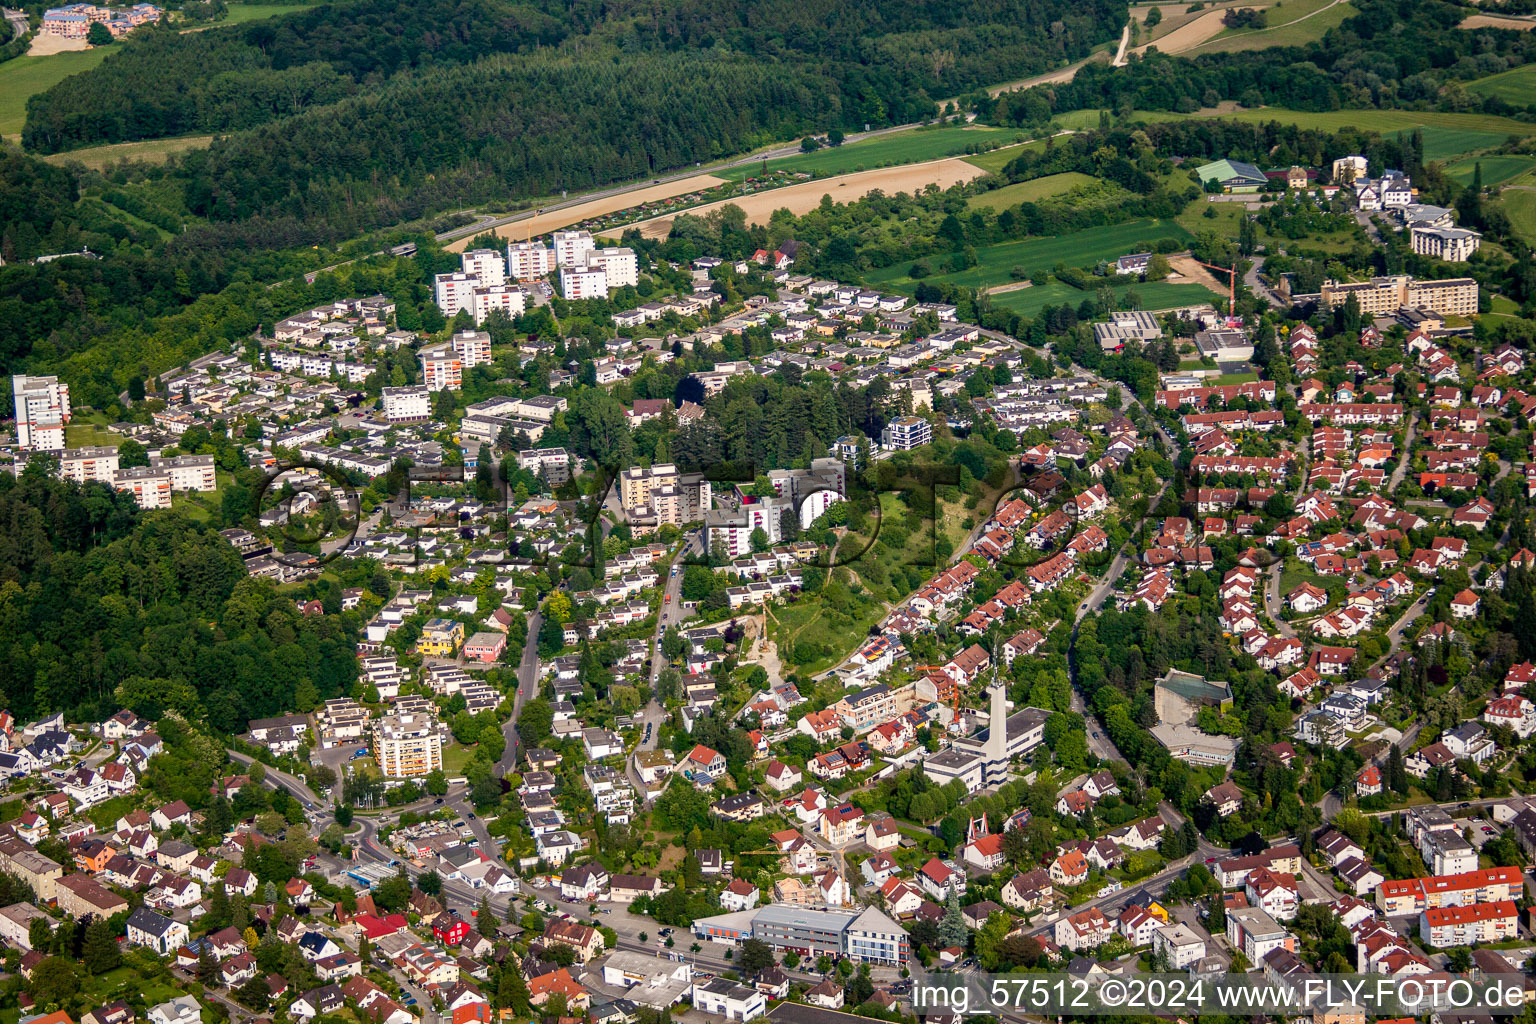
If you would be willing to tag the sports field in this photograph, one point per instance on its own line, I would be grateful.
(908, 147)
(1030, 191)
(1081, 248)
(24, 77)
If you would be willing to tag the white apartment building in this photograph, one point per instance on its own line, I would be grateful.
(187, 472)
(442, 369)
(485, 266)
(150, 487)
(84, 465)
(410, 404)
(506, 299)
(554, 463)
(1454, 245)
(620, 267)
(583, 282)
(906, 433)
(732, 531)
(571, 247)
(528, 260)
(42, 410)
(454, 292)
(407, 745)
(473, 347)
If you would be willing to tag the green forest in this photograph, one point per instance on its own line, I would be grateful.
(1368, 62)
(102, 607)
(499, 101)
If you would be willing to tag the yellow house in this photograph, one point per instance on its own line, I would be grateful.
(441, 638)
(1158, 911)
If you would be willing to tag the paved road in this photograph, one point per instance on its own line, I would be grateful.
(18, 20)
(790, 149)
(527, 688)
(1272, 600)
(1257, 286)
(1406, 456)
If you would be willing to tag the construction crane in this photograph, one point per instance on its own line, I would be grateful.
(1231, 273)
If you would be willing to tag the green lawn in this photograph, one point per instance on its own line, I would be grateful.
(1030, 191)
(1080, 248)
(907, 147)
(994, 161)
(84, 433)
(1496, 169)
(23, 77)
(1517, 85)
(1234, 378)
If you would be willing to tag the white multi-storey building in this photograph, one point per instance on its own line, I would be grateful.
(571, 247)
(1454, 245)
(188, 472)
(473, 347)
(486, 267)
(42, 410)
(442, 369)
(84, 465)
(407, 745)
(906, 433)
(528, 260)
(620, 267)
(507, 299)
(583, 282)
(150, 487)
(411, 404)
(454, 292)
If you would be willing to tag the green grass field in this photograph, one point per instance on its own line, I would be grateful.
(155, 151)
(1082, 120)
(1446, 136)
(908, 147)
(1517, 85)
(994, 161)
(1160, 295)
(1077, 249)
(239, 14)
(24, 77)
(84, 434)
(1294, 23)
(1496, 169)
(1521, 207)
(1030, 191)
